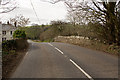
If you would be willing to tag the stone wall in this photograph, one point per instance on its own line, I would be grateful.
(73, 40)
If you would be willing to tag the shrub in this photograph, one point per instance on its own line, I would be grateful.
(19, 34)
(8, 45)
(14, 45)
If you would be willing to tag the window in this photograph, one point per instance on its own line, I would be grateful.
(4, 32)
(11, 32)
(3, 39)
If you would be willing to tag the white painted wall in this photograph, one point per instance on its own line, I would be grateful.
(0, 32)
(8, 29)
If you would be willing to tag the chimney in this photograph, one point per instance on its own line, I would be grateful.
(15, 24)
(8, 22)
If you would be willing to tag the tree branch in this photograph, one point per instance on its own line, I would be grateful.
(98, 7)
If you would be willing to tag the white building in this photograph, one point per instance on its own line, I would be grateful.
(0, 32)
(7, 31)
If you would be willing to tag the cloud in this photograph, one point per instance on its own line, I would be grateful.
(45, 11)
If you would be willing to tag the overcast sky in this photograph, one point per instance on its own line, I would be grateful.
(46, 11)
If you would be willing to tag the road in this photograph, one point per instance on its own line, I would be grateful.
(0, 60)
(62, 60)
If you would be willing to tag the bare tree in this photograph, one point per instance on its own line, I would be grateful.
(78, 15)
(7, 6)
(103, 12)
(19, 20)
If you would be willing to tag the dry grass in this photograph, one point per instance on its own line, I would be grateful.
(96, 45)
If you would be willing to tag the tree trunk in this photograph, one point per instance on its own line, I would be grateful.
(118, 41)
(110, 22)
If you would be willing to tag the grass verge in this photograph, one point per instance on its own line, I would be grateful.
(91, 44)
(12, 58)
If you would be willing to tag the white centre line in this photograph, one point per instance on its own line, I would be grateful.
(27, 53)
(50, 44)
(59, 50)
(56, 48)
(87, 75)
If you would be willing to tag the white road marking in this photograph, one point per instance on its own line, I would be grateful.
(50, 44)
(27, 53)
(56, 48)
(87, 75)
(59, 50)
(65, 56)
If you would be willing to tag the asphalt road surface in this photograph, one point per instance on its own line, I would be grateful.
(62, 60)
(0, 61)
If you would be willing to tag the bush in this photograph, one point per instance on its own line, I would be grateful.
(8, 45)
(48, 35)
(17, 44)
(19, 34)
(34, 32)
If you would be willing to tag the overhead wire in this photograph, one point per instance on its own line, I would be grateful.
(35, 11)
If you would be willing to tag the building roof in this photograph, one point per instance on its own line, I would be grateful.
(8, 27)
